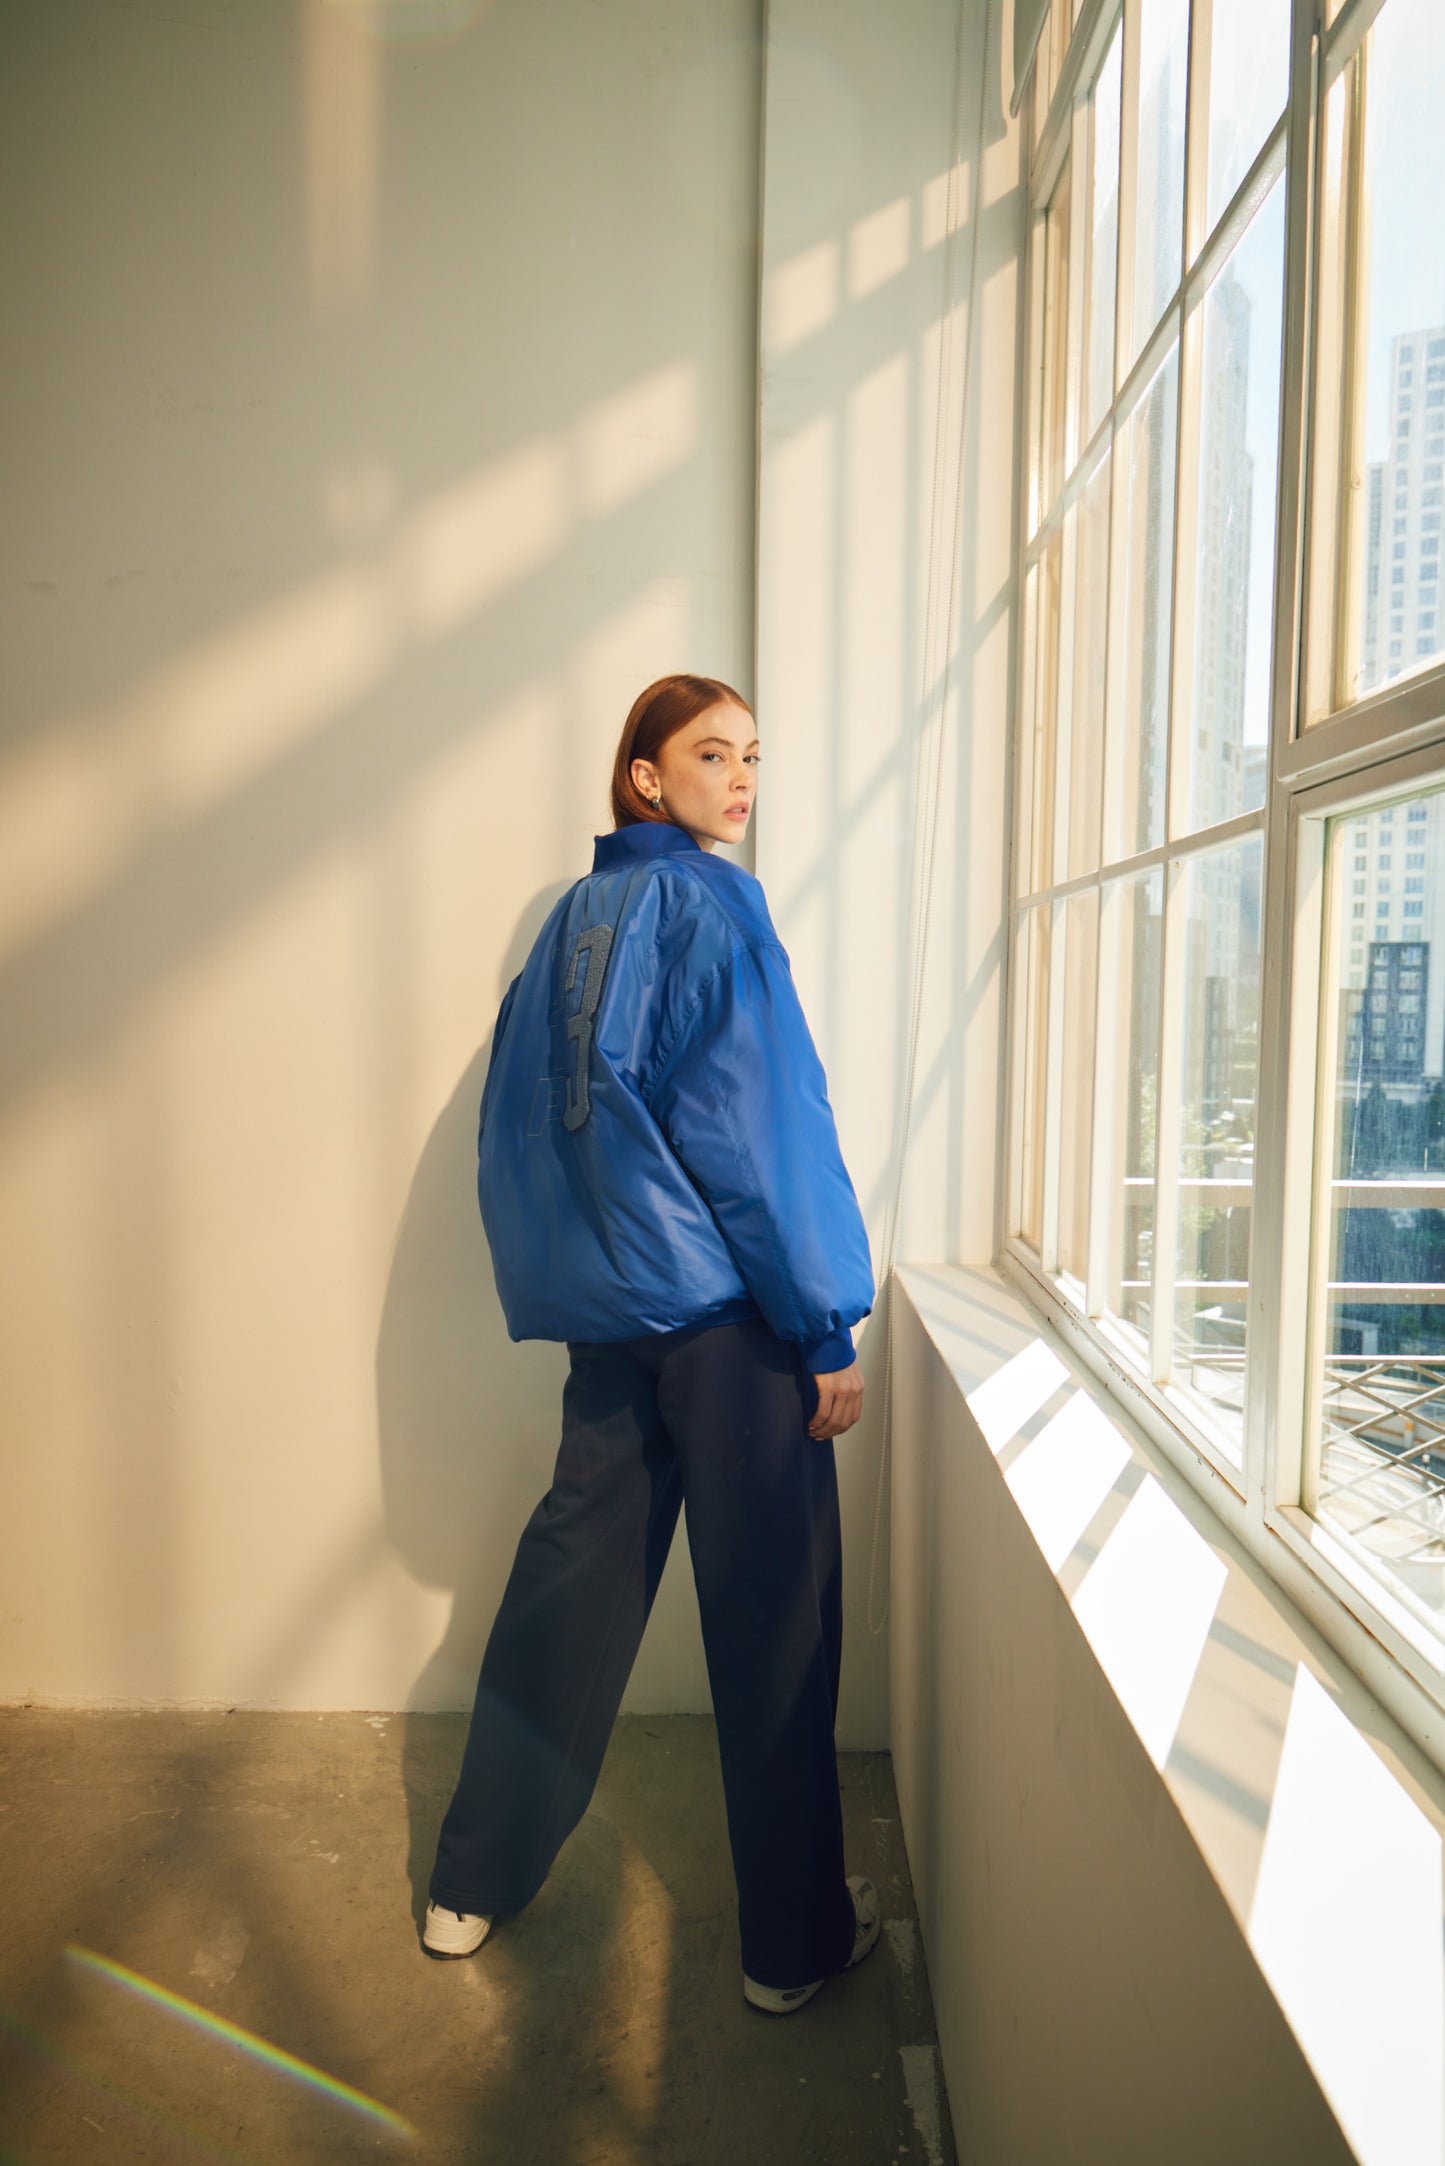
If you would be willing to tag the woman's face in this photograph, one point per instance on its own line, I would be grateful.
(707, 774)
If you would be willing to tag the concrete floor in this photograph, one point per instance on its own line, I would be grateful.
(269, 1870)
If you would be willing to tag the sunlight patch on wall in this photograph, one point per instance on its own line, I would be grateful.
(631, 440)
(1003, 1402)
(83, 797)
(466, 546)
(610, 666)
(1346, 1923)
(459, 838)
(1061, 1478)
(945, 201)
(415, 22)
(1145, 1607)
(798, 661)
(802, 297)
(874, 545)
(877, 249)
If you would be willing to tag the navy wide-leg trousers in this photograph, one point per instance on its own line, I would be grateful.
(714, 1417)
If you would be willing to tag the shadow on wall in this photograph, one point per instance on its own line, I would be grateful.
(462, 1425)
(466, 1418)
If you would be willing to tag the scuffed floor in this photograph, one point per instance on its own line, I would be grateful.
(180, 1888)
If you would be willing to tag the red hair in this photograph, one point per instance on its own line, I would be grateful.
(657, 714)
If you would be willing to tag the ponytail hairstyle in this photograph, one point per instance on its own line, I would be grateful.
(657, 714)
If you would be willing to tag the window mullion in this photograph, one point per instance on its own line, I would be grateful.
(1275, 1373)
(1128, 189)
(1064, 699)
(1162, 1295)
(1310, 1082)
(1181, 745)
(1274, 1352)
(1053, 1090)
(1288, 672)
(1033, 402)
(1109, 1080)
(1016, 1028)
(1349, 526)
(1196, 135)
(1077, 289)
(1348, 31)
(1026, 741)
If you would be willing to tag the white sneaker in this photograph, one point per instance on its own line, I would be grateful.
(782, 2000)
(453, 1932)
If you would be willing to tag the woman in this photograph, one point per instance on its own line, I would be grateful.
(662, 1189)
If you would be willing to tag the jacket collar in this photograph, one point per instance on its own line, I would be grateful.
(644, 838)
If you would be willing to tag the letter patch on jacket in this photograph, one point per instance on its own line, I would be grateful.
(597, 940)
(549, 1101)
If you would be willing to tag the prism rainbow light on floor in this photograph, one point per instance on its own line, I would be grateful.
(288, 2064)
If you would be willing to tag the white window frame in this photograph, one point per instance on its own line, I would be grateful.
(1351, 757)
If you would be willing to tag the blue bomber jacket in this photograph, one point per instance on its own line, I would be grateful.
(656, 1146)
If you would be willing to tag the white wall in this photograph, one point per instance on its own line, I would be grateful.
(379, 417)
(890, 240)
(1087, 1912)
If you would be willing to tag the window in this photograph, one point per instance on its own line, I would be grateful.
(1376, 304)
(1231, 648)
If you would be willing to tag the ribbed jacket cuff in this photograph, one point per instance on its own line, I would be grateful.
(834, 1352)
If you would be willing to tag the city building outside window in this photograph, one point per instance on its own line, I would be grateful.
(1226, 1166)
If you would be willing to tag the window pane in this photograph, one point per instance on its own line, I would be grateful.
(1221, 902)
(1381, 1474)
(1061, 26)
(1130, 963)
(1159, 206)
(1046, 698)
(1234, 577)
(1141, 684)
(1056, 341)
(1042, 87)
(1248, 84)
(1081, 941)
(1091, 627)
(1103, 238)
(1401, 311)
(1036, 1021)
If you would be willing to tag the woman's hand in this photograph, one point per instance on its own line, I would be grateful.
(840, 1402)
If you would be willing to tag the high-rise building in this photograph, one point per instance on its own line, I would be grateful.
(1226, 496)
(1402, 625)
(1395, 893)
(1385, 1028)
(1223, 929)
(1394, 896)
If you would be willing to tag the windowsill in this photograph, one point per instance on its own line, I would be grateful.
(1318, 1817)
(1379, 1640)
